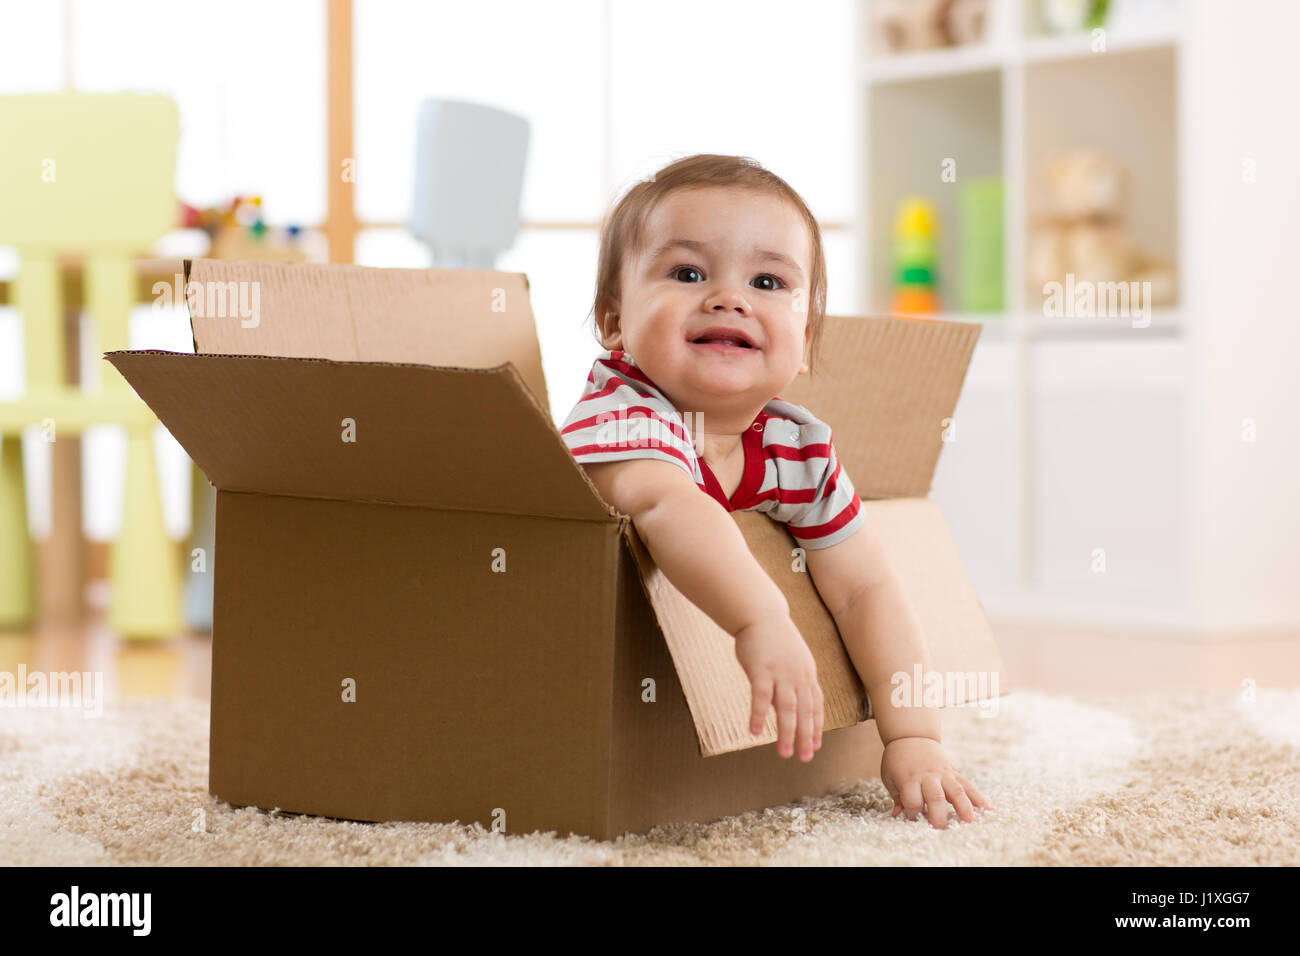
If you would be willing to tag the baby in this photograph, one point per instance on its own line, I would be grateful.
(710, 298)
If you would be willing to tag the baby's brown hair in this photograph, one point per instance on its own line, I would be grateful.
(623, 231)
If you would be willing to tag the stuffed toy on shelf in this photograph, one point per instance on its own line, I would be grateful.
(898, 26)
(1082, 231)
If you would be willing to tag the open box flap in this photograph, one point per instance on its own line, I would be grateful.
(463, 318)
(704, 656)
(921, 550)
(465, 439)
(888, 388)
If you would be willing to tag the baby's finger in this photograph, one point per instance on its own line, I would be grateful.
(976, 797)
(936, 802)
(760, 701)
(804, 736)
(787, 713)
(957, 797)
(819, 716)
(898, 801)
(912, 799)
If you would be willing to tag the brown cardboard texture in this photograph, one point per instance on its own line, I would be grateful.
(424, 611)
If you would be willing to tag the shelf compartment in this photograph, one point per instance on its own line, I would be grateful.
(914, 127)
(1123, 105)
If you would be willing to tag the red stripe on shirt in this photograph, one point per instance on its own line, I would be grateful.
(795, 453)
(582, 450)
(650, 415)
(631, 371)
(847, 514)
(606, 390)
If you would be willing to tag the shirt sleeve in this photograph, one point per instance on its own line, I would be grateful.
(622, 416)
(835, 511)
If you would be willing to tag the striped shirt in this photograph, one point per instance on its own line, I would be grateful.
(791, 473)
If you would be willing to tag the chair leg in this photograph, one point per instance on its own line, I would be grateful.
(144, 566)
(17, 552)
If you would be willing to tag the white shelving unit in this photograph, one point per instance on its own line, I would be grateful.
(1075, 435)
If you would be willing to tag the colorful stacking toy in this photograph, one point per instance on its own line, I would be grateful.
(914, 256)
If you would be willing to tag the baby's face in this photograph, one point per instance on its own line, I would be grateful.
(713, 258)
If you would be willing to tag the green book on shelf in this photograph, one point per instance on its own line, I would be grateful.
(980, 245)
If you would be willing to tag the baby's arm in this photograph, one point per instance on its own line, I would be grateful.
(879, 626)
(702, 552)
(883, 636)
(692, 540)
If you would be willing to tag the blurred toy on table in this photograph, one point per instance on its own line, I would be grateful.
(237, 230)
(1082, 231)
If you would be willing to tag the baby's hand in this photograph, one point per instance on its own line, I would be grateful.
(917, 769)
(783, 674)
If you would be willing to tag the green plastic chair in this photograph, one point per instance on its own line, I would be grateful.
(88, 175)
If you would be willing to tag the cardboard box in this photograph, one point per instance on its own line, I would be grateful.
(397, 513)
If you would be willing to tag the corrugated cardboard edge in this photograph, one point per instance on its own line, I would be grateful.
(543, 412)
(715, 685)
(179, 415)
(364, 313)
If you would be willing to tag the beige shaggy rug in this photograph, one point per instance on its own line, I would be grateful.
(1162, 779)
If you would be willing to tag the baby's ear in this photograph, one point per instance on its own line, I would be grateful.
(611, 334)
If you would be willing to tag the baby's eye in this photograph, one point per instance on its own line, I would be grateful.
(779, 285)
(681, 269)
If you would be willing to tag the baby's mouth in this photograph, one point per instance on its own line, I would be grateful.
(724, 340)
(723, 346)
